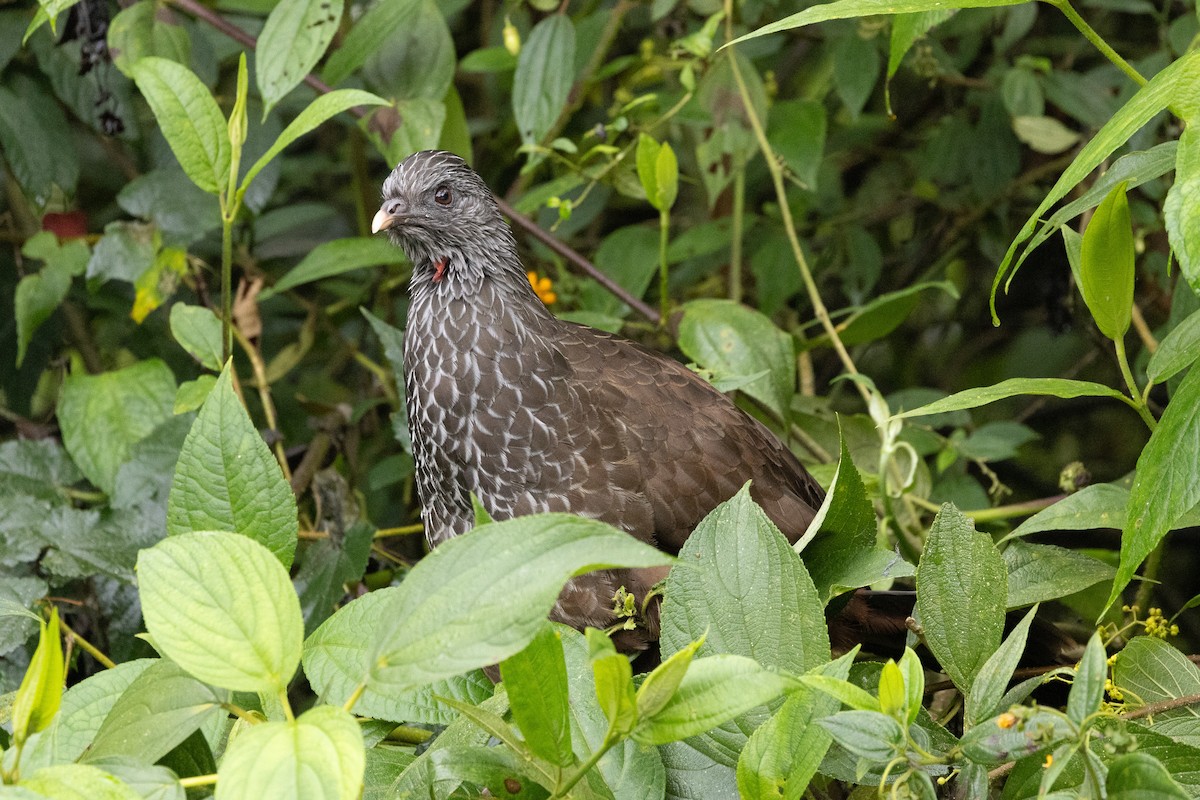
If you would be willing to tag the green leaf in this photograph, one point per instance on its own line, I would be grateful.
(536, 682)
(147, 29)
(1087, 689)
(783, 753)
(405, 126)
(1138, 776)
(335, 258)
(481, 597)
(73, 782)
(647, 161)
(416, 61)
(613, 679)
(1179, 208)
(892, 697)
(796, 131)
(161, 708)
(1013, 387)
(126, 251)
(39, 696)
(989, 743)
(192, 394)
(48, 11)
(844, 691)
(1044, 134)
(845, 9)
(714, 690)
(1106, 266)
(337, 658)
(914, 683)
(189, 118)
(198, 330)
(103, 416)
(659, 686)
(227, 479)
(294, 38)
(1178, 350)
(323, 108)
(1041, 572)
(318, 755)
(1162, 90)
(31, 160)
(222, 607)
(542, 81)
(666, 177)
(1149, 671)
(1133, 169)
(731, 339)
(1101, 505)
(961, 591)
(883, 314)
(1165, 486)
(874, 737)
(39, 294)
(844, 554)
(367, 36)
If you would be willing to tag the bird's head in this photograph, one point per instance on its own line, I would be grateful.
(446, 219)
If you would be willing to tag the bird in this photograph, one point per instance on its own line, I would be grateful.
(531, 413)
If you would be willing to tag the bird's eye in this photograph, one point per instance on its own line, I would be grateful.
(442, 196)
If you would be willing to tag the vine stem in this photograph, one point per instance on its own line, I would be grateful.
(226, 285)
(264, 396)
(85, 645)
(1097, 41)
(664, 234)
(592, 761)
(1135, 394)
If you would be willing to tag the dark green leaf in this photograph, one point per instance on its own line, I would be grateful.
(1087, 689)
(294, 38)
(1054, 387)
(39, 295)
(147, 29)
(1148, 671)
(543, 77)
(1138, 776)
(1165, 486)
(1177, 351)
(961, 589)
(1183, 226)
(226, 479)
(366, 37)
(1041, 572)
(870, 735)
(198, 331)
(337, 257)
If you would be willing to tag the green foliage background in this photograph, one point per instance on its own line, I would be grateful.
(827, 218)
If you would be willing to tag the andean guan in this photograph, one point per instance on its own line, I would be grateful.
(534, 414)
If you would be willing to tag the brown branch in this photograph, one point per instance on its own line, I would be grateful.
(1163, 705)
(520, 220)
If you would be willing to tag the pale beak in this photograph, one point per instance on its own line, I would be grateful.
(383, 220)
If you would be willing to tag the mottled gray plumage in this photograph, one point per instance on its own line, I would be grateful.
(535, 414)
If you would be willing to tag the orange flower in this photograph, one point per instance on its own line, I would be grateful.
(544, 288)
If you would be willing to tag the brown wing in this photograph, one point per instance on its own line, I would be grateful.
(675, 441)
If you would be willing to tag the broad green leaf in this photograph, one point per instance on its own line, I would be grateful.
(1013, 387)
(542, 81)
(856, 69)
(227, 479)
(991, 742)
(741, 586)
(1044, 134)
(1148, 671)
(613, 679)
(73, 782)
(783, 753)
(1106, 266)
(870, 735)
(1041, 572)
(294, 38)
(189, 118)
(191, 395)
(1101, 505)
(1133, 169)
(336, 257)
(1179, 209)
(31, 161)
(883, 314)
(844, 554)
(481, 597)
(318, 755)
(39, 294)
(536, 682)
(1087, 689)
(906, 30)
(1138, 776)
(845, 9)
(126, 250)
(198, 331)
(842, 690)
(1181, 760)
(147, 29)
(48, 11)
(914, 683)
(222, 607)
(715, 689)
(102, 416)
(416, 61)
(796, 131)
(731, 339)
(1178, 350)
(405, 126)
(628, 255)
(1162, 90)
(38, 697)
(161, 708)
(323, 108)
(366, 37)
(337, 659)
(660, 685)
(1165, 486)
(961, 591)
